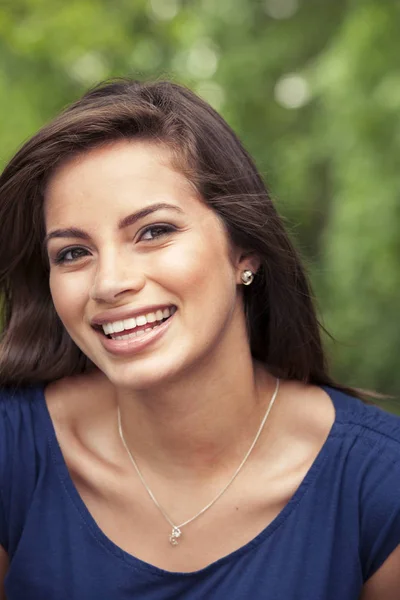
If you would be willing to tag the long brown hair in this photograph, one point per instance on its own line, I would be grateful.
(283, 328)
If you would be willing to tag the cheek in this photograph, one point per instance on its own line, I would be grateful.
(201, 271)
(68, 294)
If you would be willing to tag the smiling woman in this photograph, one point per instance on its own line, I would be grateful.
(163, 377)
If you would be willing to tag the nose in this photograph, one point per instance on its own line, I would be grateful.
(115, 277)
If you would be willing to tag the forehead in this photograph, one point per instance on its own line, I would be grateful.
(116, 177)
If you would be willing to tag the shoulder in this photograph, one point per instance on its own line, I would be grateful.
(81, 409)
(12, 395)
(18, 405)
(75, 400)
(360, 442)
(362, 468)
(22, 448)
(315, 411)
(368, 464)
(22, 420)
(304, 417)
(370, 424)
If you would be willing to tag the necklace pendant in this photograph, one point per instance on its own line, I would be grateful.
(175, 534)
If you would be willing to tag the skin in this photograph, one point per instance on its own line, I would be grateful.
(187, 396)
(120, 269)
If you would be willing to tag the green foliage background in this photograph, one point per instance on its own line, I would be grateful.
(313, 89)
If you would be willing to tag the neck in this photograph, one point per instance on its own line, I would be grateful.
(186, 428)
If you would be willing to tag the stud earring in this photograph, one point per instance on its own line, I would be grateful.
(247, 277)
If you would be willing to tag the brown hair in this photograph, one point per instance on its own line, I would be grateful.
(284, 331)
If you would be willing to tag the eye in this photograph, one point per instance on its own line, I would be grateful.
(70, 255)
(154, 232)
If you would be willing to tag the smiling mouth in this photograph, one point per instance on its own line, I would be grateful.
(135, 328)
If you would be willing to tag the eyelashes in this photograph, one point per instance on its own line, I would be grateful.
(161, 230)
(148, 234)
(62, 256)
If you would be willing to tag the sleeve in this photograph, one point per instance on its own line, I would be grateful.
(18, 463)
(3, 528)
(380, 511)
(3, 475)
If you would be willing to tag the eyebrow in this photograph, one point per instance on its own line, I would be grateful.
(74, 232)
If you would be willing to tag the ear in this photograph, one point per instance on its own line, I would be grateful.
(246, 261)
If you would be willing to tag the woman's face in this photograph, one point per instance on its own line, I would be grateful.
(141, 273)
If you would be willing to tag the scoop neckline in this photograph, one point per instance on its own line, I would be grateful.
(71, 490)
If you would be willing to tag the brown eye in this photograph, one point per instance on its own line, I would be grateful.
(70, 255)
(156, 231)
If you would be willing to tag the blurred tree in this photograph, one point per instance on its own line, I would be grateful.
(313, 90)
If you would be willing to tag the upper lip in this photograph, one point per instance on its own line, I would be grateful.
(122, 313)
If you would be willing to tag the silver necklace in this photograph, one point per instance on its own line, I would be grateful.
(176, 529)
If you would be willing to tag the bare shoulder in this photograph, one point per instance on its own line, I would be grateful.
(303, 419)
(308, 410)
(78, 397)
(80, 408)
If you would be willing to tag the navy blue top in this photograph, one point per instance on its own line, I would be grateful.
(338, 528)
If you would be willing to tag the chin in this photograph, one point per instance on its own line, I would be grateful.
(156, 368)
(143, 376)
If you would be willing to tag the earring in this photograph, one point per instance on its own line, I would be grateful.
(247, 277)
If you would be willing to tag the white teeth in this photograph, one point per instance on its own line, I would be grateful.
(124, 337)
(130, 323)
(140, 333)
(118, 326)
(108, 328)
(127, 324)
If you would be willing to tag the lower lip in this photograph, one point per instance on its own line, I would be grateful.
(135, 345)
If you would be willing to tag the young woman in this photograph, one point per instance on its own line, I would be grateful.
(168, 427)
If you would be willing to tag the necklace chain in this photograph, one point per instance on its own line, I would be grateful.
(176, 529)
